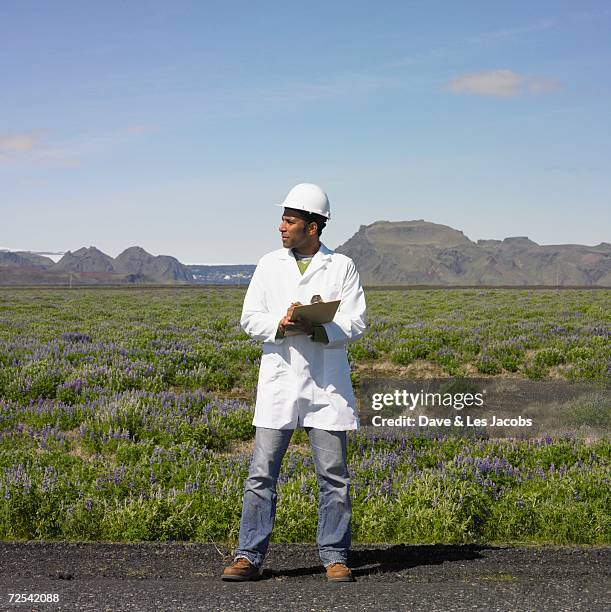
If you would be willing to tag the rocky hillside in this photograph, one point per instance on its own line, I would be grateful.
(424, 253)
(91, 266)
(85, 260)
(135, 260)
(24, 259)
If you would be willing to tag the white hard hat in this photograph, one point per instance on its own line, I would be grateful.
(308, 197)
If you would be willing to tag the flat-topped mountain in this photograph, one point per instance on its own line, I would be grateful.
(92, 266)
(424, 253)
(397, 234)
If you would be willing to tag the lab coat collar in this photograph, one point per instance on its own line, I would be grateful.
(322, 253)
(319, 260)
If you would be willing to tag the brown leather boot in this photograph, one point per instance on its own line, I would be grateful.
(339, 572)
(241, 570)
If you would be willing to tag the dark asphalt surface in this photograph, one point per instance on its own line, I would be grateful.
(177, 576)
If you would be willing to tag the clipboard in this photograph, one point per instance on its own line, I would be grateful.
(318, 313)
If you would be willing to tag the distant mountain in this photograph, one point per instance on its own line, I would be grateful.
(386, 253)
(10, 259)
(91, 266)
(135, 260)
(36, 258)
(85, 260)
(424, 253)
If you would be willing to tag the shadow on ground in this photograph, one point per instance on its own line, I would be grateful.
(392, 559)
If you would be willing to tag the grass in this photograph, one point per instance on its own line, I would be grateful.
(125, 416)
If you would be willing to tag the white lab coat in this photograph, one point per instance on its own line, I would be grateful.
(301, 382)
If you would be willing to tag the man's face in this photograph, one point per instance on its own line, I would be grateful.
(295, 233)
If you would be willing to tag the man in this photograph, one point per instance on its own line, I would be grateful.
(304, 381)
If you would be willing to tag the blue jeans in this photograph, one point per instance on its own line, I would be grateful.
(259, 503)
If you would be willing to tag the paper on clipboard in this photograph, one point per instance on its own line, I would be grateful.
(318, 313)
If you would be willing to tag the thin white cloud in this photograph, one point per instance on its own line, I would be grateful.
(321, 89)
(451, 48)
(510, 33)
(293, 94)
(495, 36)
(16, 143)
(29, 146)
(500, 84)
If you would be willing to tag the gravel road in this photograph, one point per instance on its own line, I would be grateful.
(179, 576)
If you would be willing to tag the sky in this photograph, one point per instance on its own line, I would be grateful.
(177, 126)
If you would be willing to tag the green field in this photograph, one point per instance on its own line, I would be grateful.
(125, 415)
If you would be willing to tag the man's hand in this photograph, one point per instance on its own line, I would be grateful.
(291, 309)
(300, 325)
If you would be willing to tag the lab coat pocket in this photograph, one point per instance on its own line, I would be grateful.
(273, 401)
(337, 370)
(270, 368)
